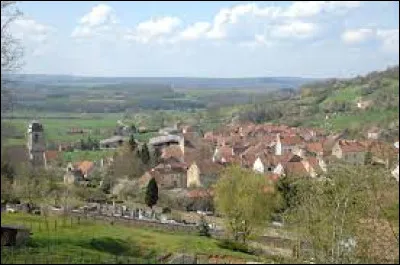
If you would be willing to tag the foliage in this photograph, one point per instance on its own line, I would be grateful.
(234, 246)
(340, 209)
(151, 196)
(241, 198)
(145, 154)
(90, 144)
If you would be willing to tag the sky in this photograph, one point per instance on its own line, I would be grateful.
(209, 38)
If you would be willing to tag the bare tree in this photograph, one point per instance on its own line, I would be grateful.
(11, 54)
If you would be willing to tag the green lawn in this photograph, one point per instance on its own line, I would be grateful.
(86, 155)
(90, 242)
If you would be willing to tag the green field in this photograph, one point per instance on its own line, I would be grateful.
(86, 155)
(97, 241)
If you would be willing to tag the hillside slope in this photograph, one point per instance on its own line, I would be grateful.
(355, 104)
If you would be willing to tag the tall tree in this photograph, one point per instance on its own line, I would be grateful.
(151, 196)
(145, 154)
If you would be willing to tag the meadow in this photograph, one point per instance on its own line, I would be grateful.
(89, 241)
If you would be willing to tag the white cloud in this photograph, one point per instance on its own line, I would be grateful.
(294, 29)
(195, 31)
(357, 35)
(242, 22)
(100, 19)
(31, 30)
(312, 8)
(154, 29)
(236, 24)
(390, 39)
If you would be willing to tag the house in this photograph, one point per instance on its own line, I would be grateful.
(167, 176)
(286, 143)
(173, 151)
(113, 142)
(314, 148)
(223, 154)
(78, 172)
(72, 176)
(352, 152)
(374, 133)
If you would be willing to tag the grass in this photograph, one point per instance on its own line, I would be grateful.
(92, 241)
(86, 155)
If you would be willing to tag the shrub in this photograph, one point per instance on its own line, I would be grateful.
(234, 246)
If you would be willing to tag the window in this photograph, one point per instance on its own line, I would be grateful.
(35, 138)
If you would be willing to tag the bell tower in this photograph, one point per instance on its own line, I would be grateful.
(36, 144)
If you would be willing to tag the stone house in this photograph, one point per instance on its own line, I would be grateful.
(167, 176)
(351, 152)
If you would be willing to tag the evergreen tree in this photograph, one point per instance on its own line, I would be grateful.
(132, 143)
(151, 197)
(145, 154)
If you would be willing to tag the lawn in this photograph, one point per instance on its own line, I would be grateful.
(90, 242)
(87, 155)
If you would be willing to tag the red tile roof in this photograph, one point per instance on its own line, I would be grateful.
(85, 166)
(351, 146)
(315, 147)
(51, 155)
(291, 140)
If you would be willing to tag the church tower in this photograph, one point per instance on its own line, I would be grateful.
(36, 144)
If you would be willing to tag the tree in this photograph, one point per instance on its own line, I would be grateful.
(348, 207)
(151, 196)
(241, 198)
(11, 51)
(132, 143)
(145, 154)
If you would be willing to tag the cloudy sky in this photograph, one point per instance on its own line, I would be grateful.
(209, 39)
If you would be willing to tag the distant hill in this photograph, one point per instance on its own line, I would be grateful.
(337, 104)
(30, 80)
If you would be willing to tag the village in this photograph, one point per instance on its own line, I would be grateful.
(189, 163)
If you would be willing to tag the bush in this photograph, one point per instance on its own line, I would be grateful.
(166, 210)
(234, 246)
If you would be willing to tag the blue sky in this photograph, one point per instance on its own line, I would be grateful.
(209, 39)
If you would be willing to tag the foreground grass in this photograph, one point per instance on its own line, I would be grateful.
(97, 241)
